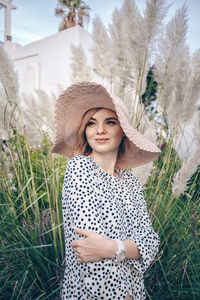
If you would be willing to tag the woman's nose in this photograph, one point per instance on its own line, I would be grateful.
(101, 129)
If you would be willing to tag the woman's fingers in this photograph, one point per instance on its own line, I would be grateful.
(74, 244)
(79, 256)
(89, 248)
(83, 232)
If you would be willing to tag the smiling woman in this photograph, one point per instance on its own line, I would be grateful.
(109, 238)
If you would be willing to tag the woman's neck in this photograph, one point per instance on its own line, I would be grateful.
(106, 161)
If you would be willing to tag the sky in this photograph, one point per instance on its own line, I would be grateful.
(35, 19)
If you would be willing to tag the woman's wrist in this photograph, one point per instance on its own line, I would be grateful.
(111, 249)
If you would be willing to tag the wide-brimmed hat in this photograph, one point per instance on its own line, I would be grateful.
(79, 98)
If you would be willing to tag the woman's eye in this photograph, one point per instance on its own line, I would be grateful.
(90, 123)
(111, 122)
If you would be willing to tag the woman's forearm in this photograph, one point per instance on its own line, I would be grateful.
(95, 247)
(131, 249)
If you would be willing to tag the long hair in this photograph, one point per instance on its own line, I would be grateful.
(82, 146)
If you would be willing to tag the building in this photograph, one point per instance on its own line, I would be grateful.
(46, 64)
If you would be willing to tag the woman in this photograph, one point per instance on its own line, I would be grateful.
(109, 237)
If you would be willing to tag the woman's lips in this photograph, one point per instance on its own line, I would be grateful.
(101, 140)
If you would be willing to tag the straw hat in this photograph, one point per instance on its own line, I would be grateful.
(82, 96)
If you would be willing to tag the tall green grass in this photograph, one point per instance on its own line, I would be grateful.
(32, 246)
(31, 232)
(176, 271)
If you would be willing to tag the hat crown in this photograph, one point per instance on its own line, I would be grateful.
(84, 88)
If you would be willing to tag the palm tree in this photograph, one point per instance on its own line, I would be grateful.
(72, 13)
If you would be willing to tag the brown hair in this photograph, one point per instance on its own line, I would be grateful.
(82, 146)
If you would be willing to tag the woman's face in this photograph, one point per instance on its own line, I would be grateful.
(103, 132)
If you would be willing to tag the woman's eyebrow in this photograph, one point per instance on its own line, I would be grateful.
(111, 118)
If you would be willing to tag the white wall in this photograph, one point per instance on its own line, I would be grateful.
(45, 64)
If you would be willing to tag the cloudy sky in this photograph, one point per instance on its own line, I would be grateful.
(35, 19)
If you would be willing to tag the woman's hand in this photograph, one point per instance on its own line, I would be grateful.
(93, 247)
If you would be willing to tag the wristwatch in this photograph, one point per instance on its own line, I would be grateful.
(121, 252)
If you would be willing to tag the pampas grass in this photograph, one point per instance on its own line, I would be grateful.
(38, 116)
(80, 70)
(188, 168)
(143, 172)
(131, 36)
(101, 54)
(8, 93)
(31, 115)
(8, 78)
(137, 40)
(169, 49)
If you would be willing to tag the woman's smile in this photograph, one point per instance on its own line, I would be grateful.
(101, 140)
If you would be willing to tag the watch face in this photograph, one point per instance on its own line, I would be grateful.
(121, 255)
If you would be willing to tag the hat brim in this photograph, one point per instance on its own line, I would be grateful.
(69, 111)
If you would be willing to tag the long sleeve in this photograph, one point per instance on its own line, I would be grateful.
(80, 203)
(143, 233)
(81, 210)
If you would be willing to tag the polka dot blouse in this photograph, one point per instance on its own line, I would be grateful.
(116, 209)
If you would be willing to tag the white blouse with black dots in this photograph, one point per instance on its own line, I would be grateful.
(116, 209)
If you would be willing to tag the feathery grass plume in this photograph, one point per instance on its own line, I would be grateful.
(3, 128)
(186, 92)
(143, 172)
(196, 127)
(131, 25)
(188, 168)
(101, 51)
(170, 48)
(148, 128)
(140, 35)
(193, 92)
(150, 27)
(81, 71)
(8, 78)
(121, 67)
(38, 115)
(178, 86)
(141, 31)
(9, 97)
